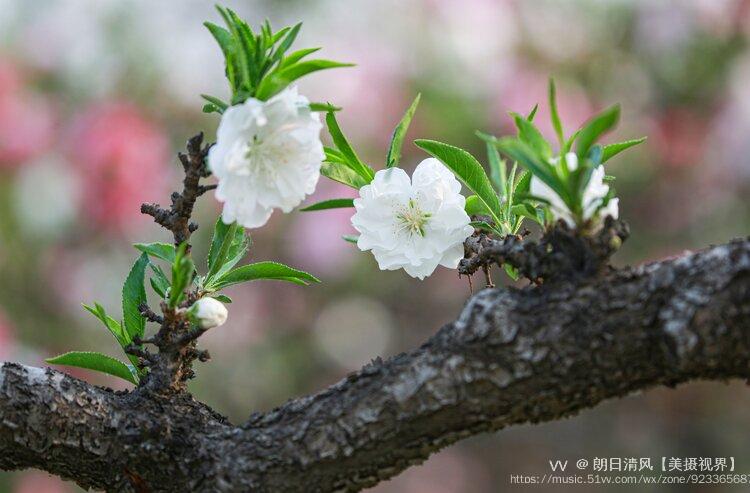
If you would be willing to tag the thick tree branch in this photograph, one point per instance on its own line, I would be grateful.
(513, 356)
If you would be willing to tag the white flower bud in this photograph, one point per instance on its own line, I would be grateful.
(208, 313)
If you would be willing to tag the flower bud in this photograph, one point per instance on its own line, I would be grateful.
(208, 313)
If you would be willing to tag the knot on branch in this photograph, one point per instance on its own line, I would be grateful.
(562, 253)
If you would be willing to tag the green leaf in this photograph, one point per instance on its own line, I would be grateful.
(554, 115)
(289, 73)
(160, 283)
(532, 113)
(342, 174)
(133, 295)
(397, 140)
(98, 362)
(468, 170)
(524, 155)
(239, 243)
(329, 204)
(594, 128)
(323, 107)
(264, 270)
(497, 168)
(611, 150)
(528, 133)
(350, 238)
(221, 105)
(511, 271)
(526, 210)
(182, 275)
(296, 56)
(164, 251)
(475, 207)
(222, 297)
(244, 53)
(350, 157)
(114, 327)
(224, 236)
(485, 226)
(291, 35)
(226, 42)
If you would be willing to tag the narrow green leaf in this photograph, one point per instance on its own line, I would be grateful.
(291, 35)
(96, 361)
(182, 275)
(611, 150)
(217, 257)
(277, 81)
(485, 226)
(524, 155)
(350, 238)
(223, 298)
(264, 270)
(532, 113)
(324, 107)
(296, 56)
(244, 51)
(468, 170)
(133, 295)
(160, 283)
(476, 207)
(343, 146)
(236, 250)
(524, 183)
(497, 168)
(342, 174)
(164, 251)
(221, 105)
(528, 133)
(554, 115)
(329, 204)
(397, 140)
(226, 42)
(114, 327)
(594, 128)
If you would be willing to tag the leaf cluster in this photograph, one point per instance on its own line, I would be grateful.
(259, 64)
(229, 245)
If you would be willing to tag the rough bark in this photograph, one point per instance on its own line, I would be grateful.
(513, 356)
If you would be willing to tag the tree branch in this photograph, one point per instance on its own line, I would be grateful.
(513, 356)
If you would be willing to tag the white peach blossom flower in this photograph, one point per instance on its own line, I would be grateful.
(593, 195)
(413, 224)
(267, 156)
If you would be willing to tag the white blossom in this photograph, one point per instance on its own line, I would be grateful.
(415, 224)
(208, 313)
(593, 195)
(267, 156)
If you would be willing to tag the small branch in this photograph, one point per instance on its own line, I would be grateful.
(175, 340)
(177, 218)
(150, 315)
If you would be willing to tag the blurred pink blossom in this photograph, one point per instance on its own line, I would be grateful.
(315, 237)
(38, 482)
(123, 157)
(26, 120)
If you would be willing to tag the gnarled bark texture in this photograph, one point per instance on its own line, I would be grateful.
(513, 356)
